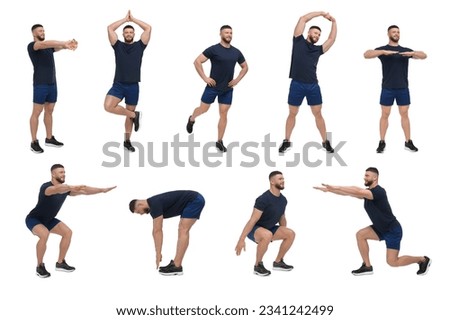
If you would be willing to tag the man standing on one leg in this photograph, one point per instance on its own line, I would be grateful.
(394, 60)
(42, 219)
(385, 225)
(44, 84)
(305, 57)
(128, 73)
(268, 223)
(184, 203)
(220, 83)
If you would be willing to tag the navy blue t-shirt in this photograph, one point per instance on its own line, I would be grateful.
(379, 210)
(43, 64)
(128, 61)
(305, 57)
(170, 204)
(272, 208)
(395, 68)
(48, 206)
(223, 61)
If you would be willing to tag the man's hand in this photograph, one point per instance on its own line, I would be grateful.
(389, 52)
(104, 190)
(240, 245)
(210, 82)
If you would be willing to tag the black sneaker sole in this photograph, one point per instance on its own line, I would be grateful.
(64, 270)
(43, 276)
(37, 152)
(53, 145)
(426, 270)
(140, 122)
(367, 273)
(282, 269)
(176, 273)
(285, 150)
(261, 274)
(410, 150)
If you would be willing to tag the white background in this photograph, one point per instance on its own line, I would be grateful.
(113, 250)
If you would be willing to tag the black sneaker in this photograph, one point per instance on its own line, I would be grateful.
(285, 146)
(42, 272)
(190, 125)
(52, 142)
(424, 266)
(35, 147)
(136, 120)
(260, 270)
(281, 266)
(127, 145)
(169, 265)
(327, 146)
(409, 145)
(363, 270)
(63, 266)
(171, 270)
(220, 146)
(381, 146)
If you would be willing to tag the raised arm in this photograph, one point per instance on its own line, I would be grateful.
(61, 188)
(415, 54)
(86, 190)
(356, 192)
(112, 35)
(300, 27)
(198, 63)
(370, 54)
(256, 215)
(57, 45)
(158, 238)
(332, 36)
(145, 36)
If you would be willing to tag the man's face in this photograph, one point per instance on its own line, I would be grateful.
(369, 178)
(141, 208)
(314, 35)
(394, 35)
(128, 35)
(226, 35)
(59, 175)
(39, 33)
(278, 181)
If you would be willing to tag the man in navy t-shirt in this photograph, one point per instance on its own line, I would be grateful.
(220, 82)
(44, 84)
(127, 76)
(184, 203)
(42, 221)
(385, 225)
(394, 86)
(304, 83)
(268, 223)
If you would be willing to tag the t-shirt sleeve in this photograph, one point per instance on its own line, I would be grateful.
(241, 58)
(260, 203)
(156, 209)
(209, 52)
(378, 193)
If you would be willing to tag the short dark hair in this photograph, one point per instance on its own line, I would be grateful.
(315, 27)
(128, 26)
(393, 27)
(225, 27)
(373, 169)
(35, 26)
(132, 205)
(274, 173)
(56, 166)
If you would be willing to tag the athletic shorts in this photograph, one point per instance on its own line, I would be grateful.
(129, 91)
(401, 96)
(31, 222)
(43, 93)
(299, 90)
(251, 235)
(393, 237)
(194, 208)
(210, 94)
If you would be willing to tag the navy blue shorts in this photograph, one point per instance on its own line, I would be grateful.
(401, 96)
(129, 91)
(251, 235)
(210, 94)
(393, 237)
(43, 93)
(299, 90)
(31, 222)
(194, 208)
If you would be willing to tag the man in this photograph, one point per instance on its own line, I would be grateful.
(384, 226)
(42, 219)
(128, 73)
(184, 203)
(220, 83)
(268, 223)
(394, 60)
(45, 91)
(305, 56)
